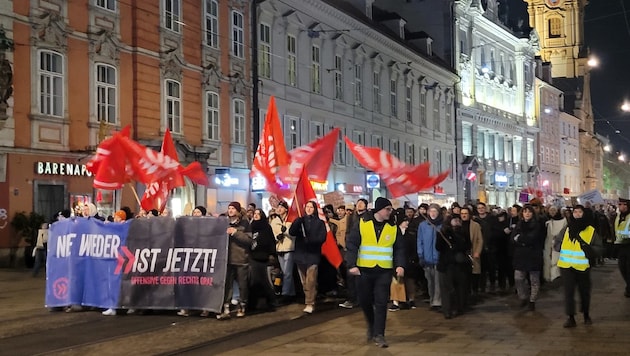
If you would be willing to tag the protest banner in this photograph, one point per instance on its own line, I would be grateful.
(156, 263)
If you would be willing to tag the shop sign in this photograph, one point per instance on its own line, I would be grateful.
(225, 180)
(500, 179)
(354, 188)
(61, 169)
(320, 186)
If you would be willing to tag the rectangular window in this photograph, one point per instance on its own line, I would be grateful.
(212, 23)
(238, 135)
(451, 165)
(338, 78)
(423, 109)
(358, 138)
(292, 126)
(291, 61)
(172, 15)
(376, 91)
(436, 113)
(173, 106)
(408, 104)
(530, 152)
(395, 148)
(51, 85)
(424, 154)
(237, 35)
(411, 153)
(393, 99)
(508, 150)
(340, 152)
(106, 93)
(212, 116)
(107, 4)
(316, 85)
(480, 143)
(377, 141)
(264, 51)
(555, 27)
(358, 84)
(438, 162)
(317, 130)
(467, 140)
(448, 120)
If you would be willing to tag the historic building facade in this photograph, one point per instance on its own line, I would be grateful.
(495, 113)
(352, 65)
(84, 68)
(549, 104)
(560, 24)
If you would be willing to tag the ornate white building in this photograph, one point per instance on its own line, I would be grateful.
(496, 127)
(349, 64)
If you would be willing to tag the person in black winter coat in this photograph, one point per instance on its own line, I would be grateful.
(453, 266)
(310, 234)
(263, 246)
(528, 241)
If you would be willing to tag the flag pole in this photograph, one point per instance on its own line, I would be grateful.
(135, 194)
(297, 204)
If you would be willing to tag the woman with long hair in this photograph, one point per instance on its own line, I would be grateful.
(310, 233)
(528, 240)
(263, 246)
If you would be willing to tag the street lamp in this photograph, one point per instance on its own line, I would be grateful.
(622, 157)
(592, 62)
(625, 107)
(607, 148)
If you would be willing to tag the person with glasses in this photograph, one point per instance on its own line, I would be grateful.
(375, 252)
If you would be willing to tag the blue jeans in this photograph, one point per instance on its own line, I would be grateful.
(286, 265)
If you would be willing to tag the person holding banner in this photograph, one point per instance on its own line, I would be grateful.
(240, 235)
(310, 234)
(376, 251)
(262, 248)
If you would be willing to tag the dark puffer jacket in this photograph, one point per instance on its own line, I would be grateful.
(528, 241)
(310, 235)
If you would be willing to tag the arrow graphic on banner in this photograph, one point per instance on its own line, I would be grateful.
(121, 260)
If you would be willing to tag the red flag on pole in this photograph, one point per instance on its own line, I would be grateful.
(400, 178)
(315, 158)
(303, 193)
(271, 153)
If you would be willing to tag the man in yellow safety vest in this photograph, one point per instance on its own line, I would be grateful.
(375, 251)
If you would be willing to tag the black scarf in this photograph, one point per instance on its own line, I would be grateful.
(576, 226)
(438, 221)
(557, 216)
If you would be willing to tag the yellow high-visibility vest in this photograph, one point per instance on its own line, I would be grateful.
(571, 254)
(622, 233)
(374, 253)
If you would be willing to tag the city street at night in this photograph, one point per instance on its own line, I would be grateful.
(494, 327)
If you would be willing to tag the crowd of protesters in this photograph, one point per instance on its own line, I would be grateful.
(453, 256)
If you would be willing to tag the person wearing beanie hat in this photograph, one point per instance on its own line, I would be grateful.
(375, 251)
(236, 205)
(199, 211)
(240, 241)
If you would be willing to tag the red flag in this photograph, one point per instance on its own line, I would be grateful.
(108, 164)
(156, 194)
(399, 177)
(304, 193)
(315, 158)
(271, 152)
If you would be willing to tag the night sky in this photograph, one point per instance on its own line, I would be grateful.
(607, 35)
